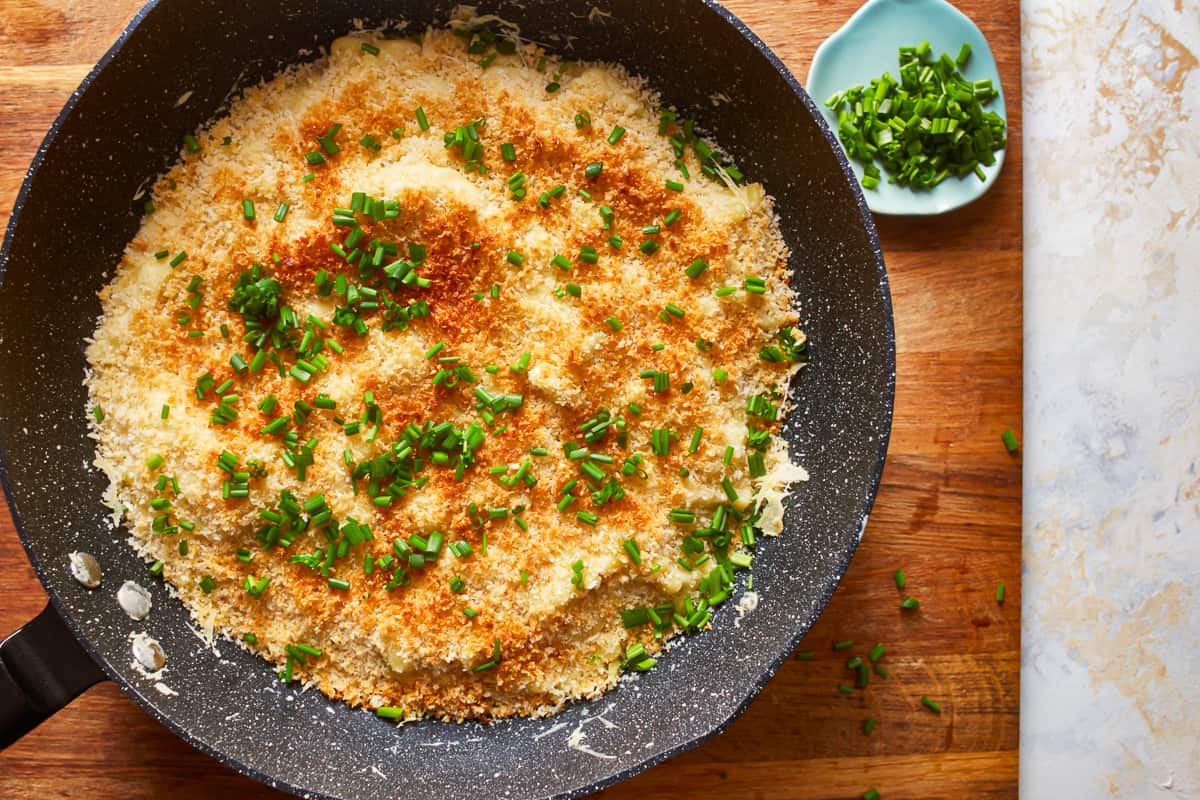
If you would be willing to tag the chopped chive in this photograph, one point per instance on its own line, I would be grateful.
(909, 603)
(870, 794)
(192, 145)
(697, 268)
(593, 170)
(674, 186)
(632, 549)
(649, 247)
(281, 212)
(166, 412)
(422, 120)
(617, 133)
(389, 712)
(508, 151)
(614, 323)
(248, 209)
(1010, 441)
(805, 655)
(876, 652)
(843, 645)
(901, 580)
(178, 259)
(868, 727)
(370, 49)
(931, 705)
(1000, 593)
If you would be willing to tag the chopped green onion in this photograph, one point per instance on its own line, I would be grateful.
(248, 209)
(927, 125)
(617, 133)
(422, 120)
(1000, 593)
(1010, 441)
(632, 549)
(909, 603)
(901, 580)
(931, 705)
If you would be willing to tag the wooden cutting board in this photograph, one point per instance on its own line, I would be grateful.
(948, 512)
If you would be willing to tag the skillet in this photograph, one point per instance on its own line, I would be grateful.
(77, 209)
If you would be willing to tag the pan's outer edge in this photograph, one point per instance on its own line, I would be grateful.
(889, 402)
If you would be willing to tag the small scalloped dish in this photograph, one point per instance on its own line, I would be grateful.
(866, 47)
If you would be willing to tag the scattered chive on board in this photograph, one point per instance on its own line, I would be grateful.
(923, 128)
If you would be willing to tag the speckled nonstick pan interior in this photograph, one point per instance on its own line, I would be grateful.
(74, 215)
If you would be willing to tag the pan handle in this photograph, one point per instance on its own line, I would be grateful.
(42, 668)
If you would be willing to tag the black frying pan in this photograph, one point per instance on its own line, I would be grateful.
(76, 211)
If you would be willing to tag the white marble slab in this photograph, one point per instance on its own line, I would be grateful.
(1110, 703)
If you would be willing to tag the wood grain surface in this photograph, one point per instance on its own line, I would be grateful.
(948, 512)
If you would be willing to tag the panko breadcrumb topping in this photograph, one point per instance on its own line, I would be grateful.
(446, 375)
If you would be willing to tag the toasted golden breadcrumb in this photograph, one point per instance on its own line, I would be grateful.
(414, 647)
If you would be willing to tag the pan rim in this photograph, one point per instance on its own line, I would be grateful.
(751, 691)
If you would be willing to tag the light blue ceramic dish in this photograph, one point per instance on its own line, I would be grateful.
(865, 47)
